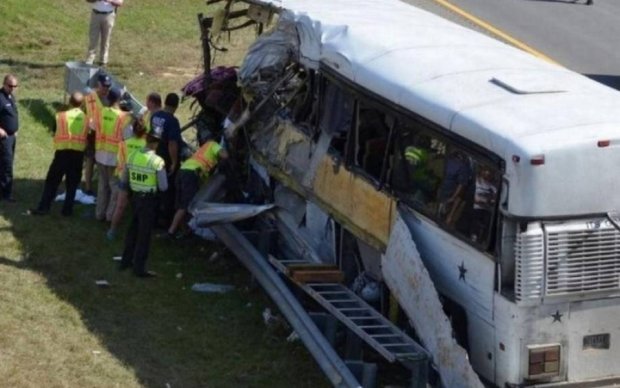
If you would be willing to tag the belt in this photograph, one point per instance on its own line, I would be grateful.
(145, 194)
(190, 171)
(102, 12)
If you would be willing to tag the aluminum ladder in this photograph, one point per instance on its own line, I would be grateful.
(357, 315)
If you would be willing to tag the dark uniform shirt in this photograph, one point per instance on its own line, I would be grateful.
(171, 131)
(8, 113)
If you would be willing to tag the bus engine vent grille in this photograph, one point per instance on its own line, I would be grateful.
(583, 258)
(529, 264)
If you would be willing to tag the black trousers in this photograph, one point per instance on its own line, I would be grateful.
(7, 155)
(138, 239)
(67, 164)
(167, 201)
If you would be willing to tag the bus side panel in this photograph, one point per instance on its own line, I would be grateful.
(482, 350)
(459, 271)
(593, 329)
(359, 202)
(520, 329)
(508, 335)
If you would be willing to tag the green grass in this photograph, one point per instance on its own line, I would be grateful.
(57, 329)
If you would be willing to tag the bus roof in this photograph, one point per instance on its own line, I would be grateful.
(516, 105)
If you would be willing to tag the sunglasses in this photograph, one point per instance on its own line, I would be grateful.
(12, 86)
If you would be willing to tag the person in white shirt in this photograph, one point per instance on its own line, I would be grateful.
(101, 23)
(485, 198)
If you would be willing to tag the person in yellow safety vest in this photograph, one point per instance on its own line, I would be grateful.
(145, 177)
(200, 165)
(136, 142)
(95, 101)
(423, 179)
(107, 138)
(69, 143)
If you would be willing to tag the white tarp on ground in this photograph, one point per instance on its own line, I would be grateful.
(409, 282)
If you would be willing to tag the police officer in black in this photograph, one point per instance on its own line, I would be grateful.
(9, 124)
(144, 176)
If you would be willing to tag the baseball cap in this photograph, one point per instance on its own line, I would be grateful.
(105, 80)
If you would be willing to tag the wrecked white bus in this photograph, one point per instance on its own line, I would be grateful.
(399, 144)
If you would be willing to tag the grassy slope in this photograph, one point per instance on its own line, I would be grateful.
(56, 328)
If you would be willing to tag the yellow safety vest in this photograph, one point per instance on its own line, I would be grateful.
(93, 108)
(71, 130)
(142, 167)
(126, 148)
(110, 133)
(146, 120)
(416, 155)
(204, 159)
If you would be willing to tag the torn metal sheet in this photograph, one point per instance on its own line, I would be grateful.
(217, 213)
(297, 239)
(267, 57)
(318, 154)
(409, 281)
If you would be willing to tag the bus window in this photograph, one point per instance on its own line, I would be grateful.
(445, 182)
(303, 103)
(455, 192)
(371, 139)
(485, 203)
(416, 166)
(336, 114)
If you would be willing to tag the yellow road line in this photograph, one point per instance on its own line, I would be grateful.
(495, 31)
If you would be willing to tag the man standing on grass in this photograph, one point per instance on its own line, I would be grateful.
(134, 143)
(101, 23)
(108, 135)
(95, 100)
(69, 142)
(144, 176)
(9, 124)
(168, 149)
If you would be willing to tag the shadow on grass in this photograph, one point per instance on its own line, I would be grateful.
(159, 329)
(41, 111)
(30, 65)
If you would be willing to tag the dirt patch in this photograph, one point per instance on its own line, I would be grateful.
(182, 72)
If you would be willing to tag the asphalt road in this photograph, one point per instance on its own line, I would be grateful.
(583, 38)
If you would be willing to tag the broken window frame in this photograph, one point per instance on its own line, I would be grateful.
(354, 148)
(489, 244)
(329, 90)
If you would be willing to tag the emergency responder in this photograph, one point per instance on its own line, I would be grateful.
(169, 149)
(136, 142)
(153, 105)
(423, 180)
(109, 133)
(69, 143)
(200, 165)
(144, 176)
(95, 101)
